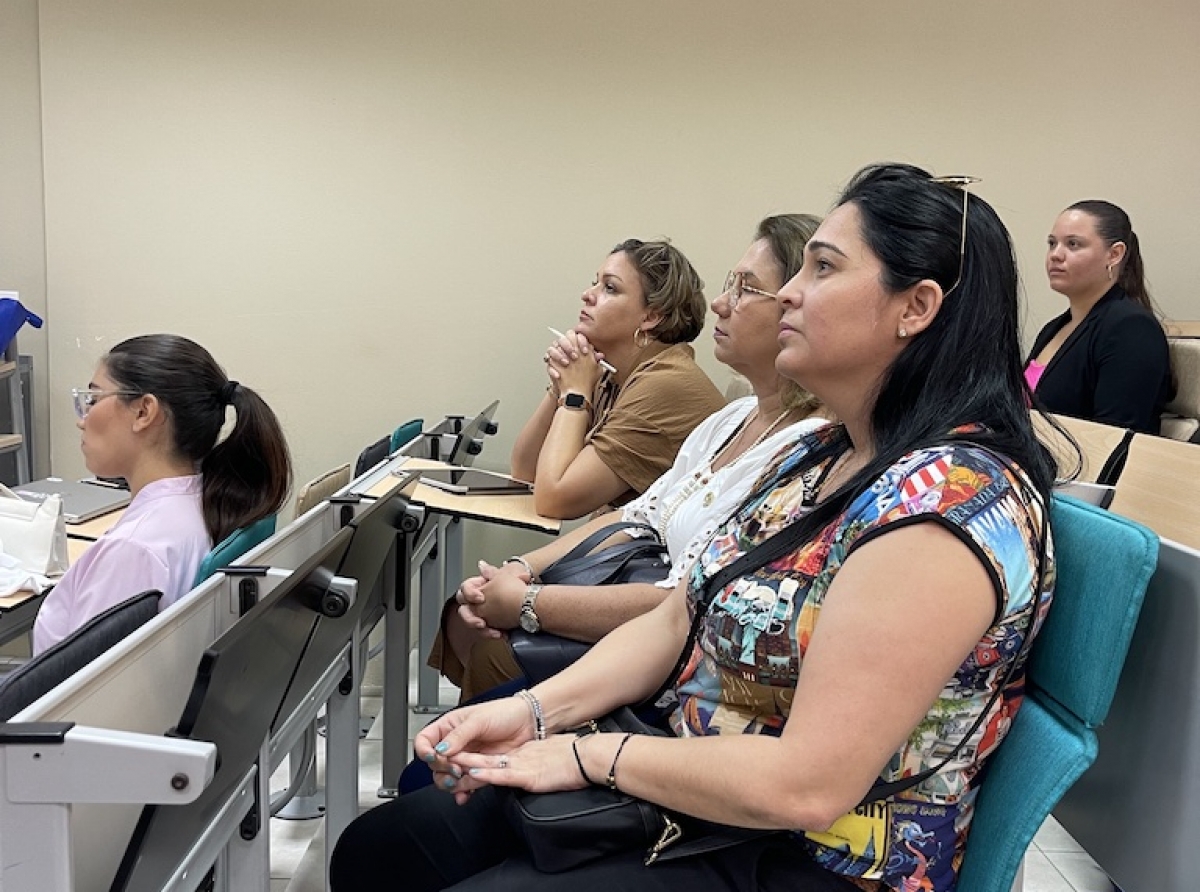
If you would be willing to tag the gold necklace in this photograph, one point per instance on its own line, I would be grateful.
(702, 477)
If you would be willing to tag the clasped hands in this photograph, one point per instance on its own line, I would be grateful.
(573, 365)
(492, 743)
(491, 602)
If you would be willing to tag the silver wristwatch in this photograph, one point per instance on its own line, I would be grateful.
(529, 619)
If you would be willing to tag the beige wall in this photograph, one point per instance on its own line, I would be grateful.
(371, 210)
(22, 217)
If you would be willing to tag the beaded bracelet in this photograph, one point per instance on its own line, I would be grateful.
(539, 717)
(611, 780)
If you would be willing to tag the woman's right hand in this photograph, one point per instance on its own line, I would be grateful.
(470, 595)
(497, 727)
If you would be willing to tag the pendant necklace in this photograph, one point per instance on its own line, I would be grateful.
(702, 477)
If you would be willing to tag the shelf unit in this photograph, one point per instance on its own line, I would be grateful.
(14, 434)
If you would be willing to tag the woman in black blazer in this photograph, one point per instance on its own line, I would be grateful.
(1106, 358)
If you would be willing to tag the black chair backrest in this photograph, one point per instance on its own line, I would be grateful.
(55, 665)
(372, 455)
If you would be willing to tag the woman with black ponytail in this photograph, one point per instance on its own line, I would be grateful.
(152, 414)
(1106, 358)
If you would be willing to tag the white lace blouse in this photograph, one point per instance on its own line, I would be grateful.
(689, 502)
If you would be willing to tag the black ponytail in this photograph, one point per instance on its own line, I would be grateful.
(1113, 225)
(247, 476)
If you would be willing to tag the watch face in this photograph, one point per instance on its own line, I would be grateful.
(575, 401)
(529, 621)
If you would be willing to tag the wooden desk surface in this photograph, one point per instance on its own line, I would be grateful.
(1181, 328)
(1160, 487)
(8, 602)
(507, 510)
(75, 547)
(96, 527)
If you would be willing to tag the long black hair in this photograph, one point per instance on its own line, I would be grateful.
(245, 477)
(965, 368)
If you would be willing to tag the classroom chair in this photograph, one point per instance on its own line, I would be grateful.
(316, 491)
(1104, 564)
(234, 546)
(406, 433)
(1181, 421)
(55, 665)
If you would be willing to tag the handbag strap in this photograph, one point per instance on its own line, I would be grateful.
(585, 548)
(788, 540)
(586, 557)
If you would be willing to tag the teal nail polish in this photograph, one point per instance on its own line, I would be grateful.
(442, 747)
(429, 757)
(456, 771)
(473, 772)
(449, 783)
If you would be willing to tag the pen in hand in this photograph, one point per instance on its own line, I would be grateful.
(607, 366)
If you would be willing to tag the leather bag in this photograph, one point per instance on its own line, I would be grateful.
(641, 559)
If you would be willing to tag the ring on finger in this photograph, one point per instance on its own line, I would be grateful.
(458, 596)
(503, 763)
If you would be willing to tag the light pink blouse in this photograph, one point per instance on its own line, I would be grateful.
(157, 544)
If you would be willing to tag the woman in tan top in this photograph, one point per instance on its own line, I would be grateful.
(624, 388)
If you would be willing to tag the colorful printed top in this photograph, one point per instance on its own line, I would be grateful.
(751, 646)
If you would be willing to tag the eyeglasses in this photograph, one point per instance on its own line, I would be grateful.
(736, 287)
(961, 183)
(85, 399)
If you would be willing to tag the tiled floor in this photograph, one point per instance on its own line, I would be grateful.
(1054, 862)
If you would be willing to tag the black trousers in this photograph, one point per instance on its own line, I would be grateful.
(424, 841)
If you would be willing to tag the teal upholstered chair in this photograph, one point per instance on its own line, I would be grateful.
(234, 546)
(1104, 565)
(406, 433)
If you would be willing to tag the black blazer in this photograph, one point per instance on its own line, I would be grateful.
(1114, 368)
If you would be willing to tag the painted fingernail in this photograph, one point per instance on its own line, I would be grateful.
(449, 783)
(473, 772)
(456, 771)
(429, 757)
(442, 747)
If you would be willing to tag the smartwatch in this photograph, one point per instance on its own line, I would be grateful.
(528, 618)
(574, 401)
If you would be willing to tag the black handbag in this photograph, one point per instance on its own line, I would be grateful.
(641, 559)
(568, 829)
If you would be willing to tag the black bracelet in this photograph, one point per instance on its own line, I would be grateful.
(611, 780)
(579, 761)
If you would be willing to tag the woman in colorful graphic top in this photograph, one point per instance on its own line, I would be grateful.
(868, 652)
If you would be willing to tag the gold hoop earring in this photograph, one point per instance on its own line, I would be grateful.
(641, 339)
(1110, 269)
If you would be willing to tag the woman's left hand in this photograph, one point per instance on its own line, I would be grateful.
(577, 373)
(539, 766)
(503, 595)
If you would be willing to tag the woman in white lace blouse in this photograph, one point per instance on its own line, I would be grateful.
(711, 475)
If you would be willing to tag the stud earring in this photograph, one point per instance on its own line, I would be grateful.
(903, 332)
